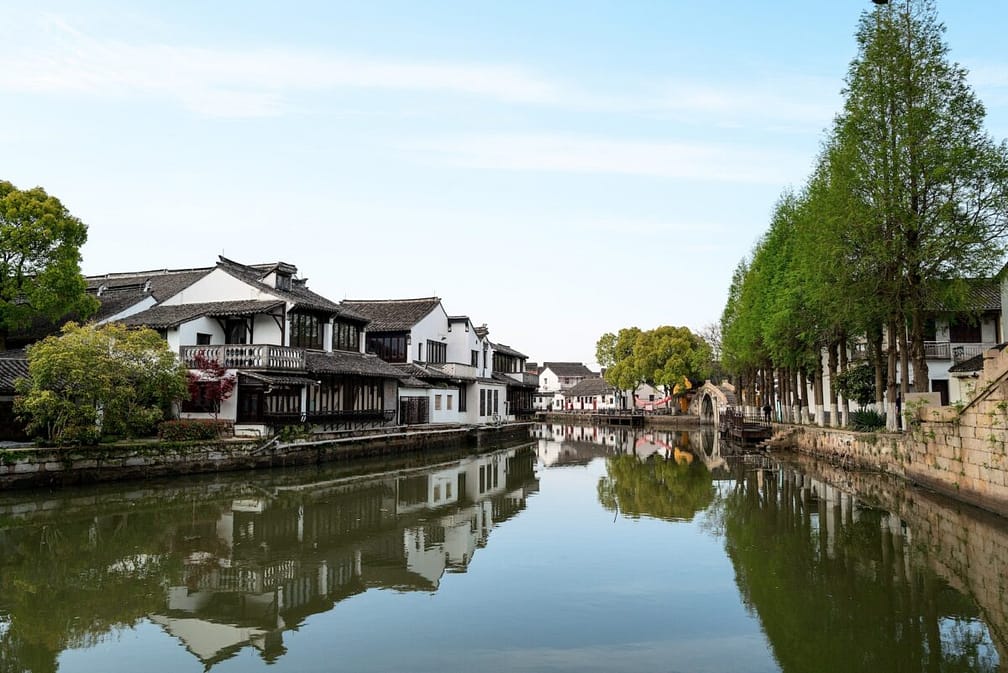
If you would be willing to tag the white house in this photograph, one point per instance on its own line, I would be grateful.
(297, 356)
(448, 360)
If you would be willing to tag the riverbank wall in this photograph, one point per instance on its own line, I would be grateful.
(959, 455)
(50, 467)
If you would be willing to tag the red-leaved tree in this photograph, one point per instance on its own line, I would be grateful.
(209, 382)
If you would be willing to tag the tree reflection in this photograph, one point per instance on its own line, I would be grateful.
(827, 577)
(674, 488)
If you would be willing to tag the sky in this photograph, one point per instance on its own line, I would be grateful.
(556, 170)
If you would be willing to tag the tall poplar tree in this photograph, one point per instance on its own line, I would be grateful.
(928, 187)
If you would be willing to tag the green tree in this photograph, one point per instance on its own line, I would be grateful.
(93, 381)
(673, 358)
(656, 487)
(614, 353)
(928, 186)
(40, 275)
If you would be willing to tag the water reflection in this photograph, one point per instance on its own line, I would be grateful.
(873, 576)
(644, 548)
(235, 564)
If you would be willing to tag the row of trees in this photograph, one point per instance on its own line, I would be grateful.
(907, 201)
(669, 358)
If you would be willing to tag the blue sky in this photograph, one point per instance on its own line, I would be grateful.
(556, 170)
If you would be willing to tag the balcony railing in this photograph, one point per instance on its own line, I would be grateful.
(457, 369)
(247, 356)
(956, 352)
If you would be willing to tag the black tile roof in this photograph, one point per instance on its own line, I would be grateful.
(347, 362)
(119, 291)
(13, 366)
(392, 315)
(568, 369)
(975, 363)
(589, 388)
(162, 316)
(504, 349)
(504, 378)
(980, 295)
(429, 374)
(298, 294)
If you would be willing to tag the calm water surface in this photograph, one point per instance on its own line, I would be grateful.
(583, 550)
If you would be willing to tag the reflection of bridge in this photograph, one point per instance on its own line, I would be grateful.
(561, 445)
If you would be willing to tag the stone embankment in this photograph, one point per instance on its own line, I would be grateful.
(960, 451)
(41, 466)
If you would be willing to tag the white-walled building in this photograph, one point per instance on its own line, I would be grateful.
(449, 361)
(297, 356)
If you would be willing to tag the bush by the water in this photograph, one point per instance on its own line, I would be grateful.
(194, 429)
(867, 420)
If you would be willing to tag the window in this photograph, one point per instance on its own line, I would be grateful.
(306, 331)
(964, 332)
(449, 401)
(235, 331)
(202, 339)
(283, 281)
(199, 401)
(437, 403)
(346, 336)
(483, 400)
(475, 358)
(437, 351)
(462, 398)
(495, 395)
(389, 347)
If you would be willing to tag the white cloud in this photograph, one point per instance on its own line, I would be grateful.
(236, 82)
(584, 154)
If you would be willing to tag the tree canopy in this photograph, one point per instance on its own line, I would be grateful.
(673, 358)
(40, 276)
(93, 381)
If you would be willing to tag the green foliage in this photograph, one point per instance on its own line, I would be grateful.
(664, 489)
(670, 357)
(40, 245)
(867, 420)
(187, 429)
(857, 384)
(91, 382)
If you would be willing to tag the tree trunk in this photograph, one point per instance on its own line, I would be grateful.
(817, 390)
(876, 350)
(892, 420)
(803, 412)
(904, 360)
(832, 364)
(920, 366)
(845, 420)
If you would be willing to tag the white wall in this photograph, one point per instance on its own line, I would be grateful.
(433, 326)
(217, 286)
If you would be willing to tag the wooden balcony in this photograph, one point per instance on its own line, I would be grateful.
(247, 356)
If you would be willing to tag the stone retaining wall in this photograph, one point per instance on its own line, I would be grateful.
(32, 467)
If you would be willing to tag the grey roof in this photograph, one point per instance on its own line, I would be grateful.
(980, 295)
(119, 291)
(428, 373)
(589, 388)
(568, 369)
(162, 316)
(504, 378)
(507, 350)
(348, 362)
(973, 364)
(392, 315)
(298, 294)
(13, 366)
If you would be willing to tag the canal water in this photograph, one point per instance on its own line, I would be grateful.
(584, 549)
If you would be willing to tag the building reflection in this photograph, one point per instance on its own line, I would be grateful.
(561, 445)
(239, 572)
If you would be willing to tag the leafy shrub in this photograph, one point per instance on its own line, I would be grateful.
(867, 420)
(185, 430)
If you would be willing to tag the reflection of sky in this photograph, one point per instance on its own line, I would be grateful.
(969, 639)
(561, 587)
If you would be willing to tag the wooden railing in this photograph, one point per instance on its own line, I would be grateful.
(247, 356)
